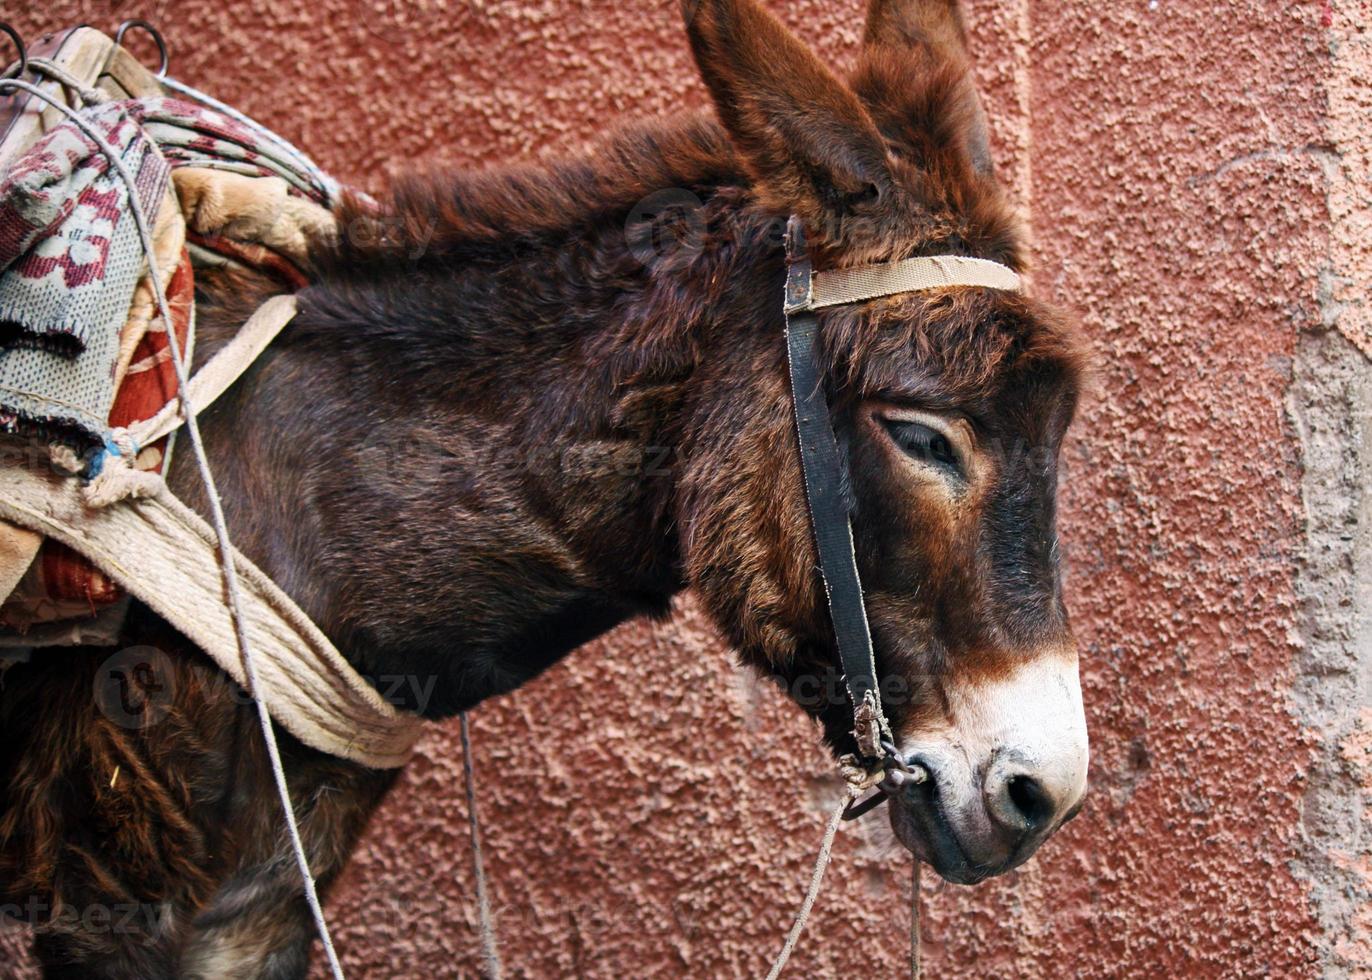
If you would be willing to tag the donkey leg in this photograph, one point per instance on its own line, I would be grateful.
(103, 846)
(250, 931)
(257, 926)
(127, 811)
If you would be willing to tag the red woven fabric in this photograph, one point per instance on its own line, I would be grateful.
(149, 384)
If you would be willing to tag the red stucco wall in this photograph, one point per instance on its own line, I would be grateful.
(662, 820)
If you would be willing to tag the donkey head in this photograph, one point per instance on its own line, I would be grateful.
(950, 406)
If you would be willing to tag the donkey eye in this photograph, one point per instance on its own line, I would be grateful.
(922, 443)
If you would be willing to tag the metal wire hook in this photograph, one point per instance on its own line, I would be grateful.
(18, 46)
(152, 32)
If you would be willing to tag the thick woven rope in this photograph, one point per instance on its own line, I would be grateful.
(906, 276)
(165, 554)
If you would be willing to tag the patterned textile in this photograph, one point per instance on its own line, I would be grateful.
(71, 257)
(61, 584)
(190, 135)
(149, 380)
(246, 197)
(253, 256)
(70, 254)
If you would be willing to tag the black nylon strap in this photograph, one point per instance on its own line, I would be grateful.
(829, 516)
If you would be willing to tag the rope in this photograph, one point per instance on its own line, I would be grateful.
(221, 529)
(817, 876)
(916, 967)
(858, 780)
(54, 71)
(489, 948)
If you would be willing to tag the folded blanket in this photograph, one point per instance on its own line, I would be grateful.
(191, 135)
(250, 210)
(236, 195)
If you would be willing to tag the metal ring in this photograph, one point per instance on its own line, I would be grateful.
(154, 33)
(19, 46)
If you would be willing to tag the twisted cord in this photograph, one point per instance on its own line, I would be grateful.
(817, 876)
(916, 966)
(489, 947)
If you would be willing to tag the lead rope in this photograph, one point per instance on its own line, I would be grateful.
(221, 529)
(916, 966)
(856, 785)
(489, 947)
(821, 863)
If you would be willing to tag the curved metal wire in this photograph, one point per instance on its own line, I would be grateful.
(23, 64)
(152, 32)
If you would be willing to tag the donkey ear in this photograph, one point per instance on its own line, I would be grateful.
(936, 23)
(934, 33)
(803, 134)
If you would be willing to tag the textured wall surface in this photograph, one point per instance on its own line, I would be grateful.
(1195, 197)
(1330, 406)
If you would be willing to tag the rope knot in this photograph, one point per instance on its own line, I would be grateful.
(858, 776)
(115, 475)
(88, 95)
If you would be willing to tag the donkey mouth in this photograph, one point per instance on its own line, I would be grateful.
(922, 826)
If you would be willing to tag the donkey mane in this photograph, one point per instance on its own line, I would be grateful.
(496, 226)
(494, 211)
(925, 113)
(469, 235)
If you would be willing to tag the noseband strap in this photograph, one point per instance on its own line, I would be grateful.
(806, 292)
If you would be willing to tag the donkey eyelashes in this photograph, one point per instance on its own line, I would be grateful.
(923, 443)
(870, 194)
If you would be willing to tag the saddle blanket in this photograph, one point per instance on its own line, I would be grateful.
(82, 349)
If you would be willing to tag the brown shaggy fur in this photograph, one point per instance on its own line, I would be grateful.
(500, 425)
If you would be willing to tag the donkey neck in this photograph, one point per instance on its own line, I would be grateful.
(474, 457)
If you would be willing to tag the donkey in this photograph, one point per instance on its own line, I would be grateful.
(502, 425)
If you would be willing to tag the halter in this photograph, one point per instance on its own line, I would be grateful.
(806, 292)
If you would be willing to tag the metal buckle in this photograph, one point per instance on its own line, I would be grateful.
(799, 274)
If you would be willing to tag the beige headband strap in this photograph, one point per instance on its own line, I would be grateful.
(907, 276)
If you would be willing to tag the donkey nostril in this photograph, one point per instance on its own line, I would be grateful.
(1030, 800)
